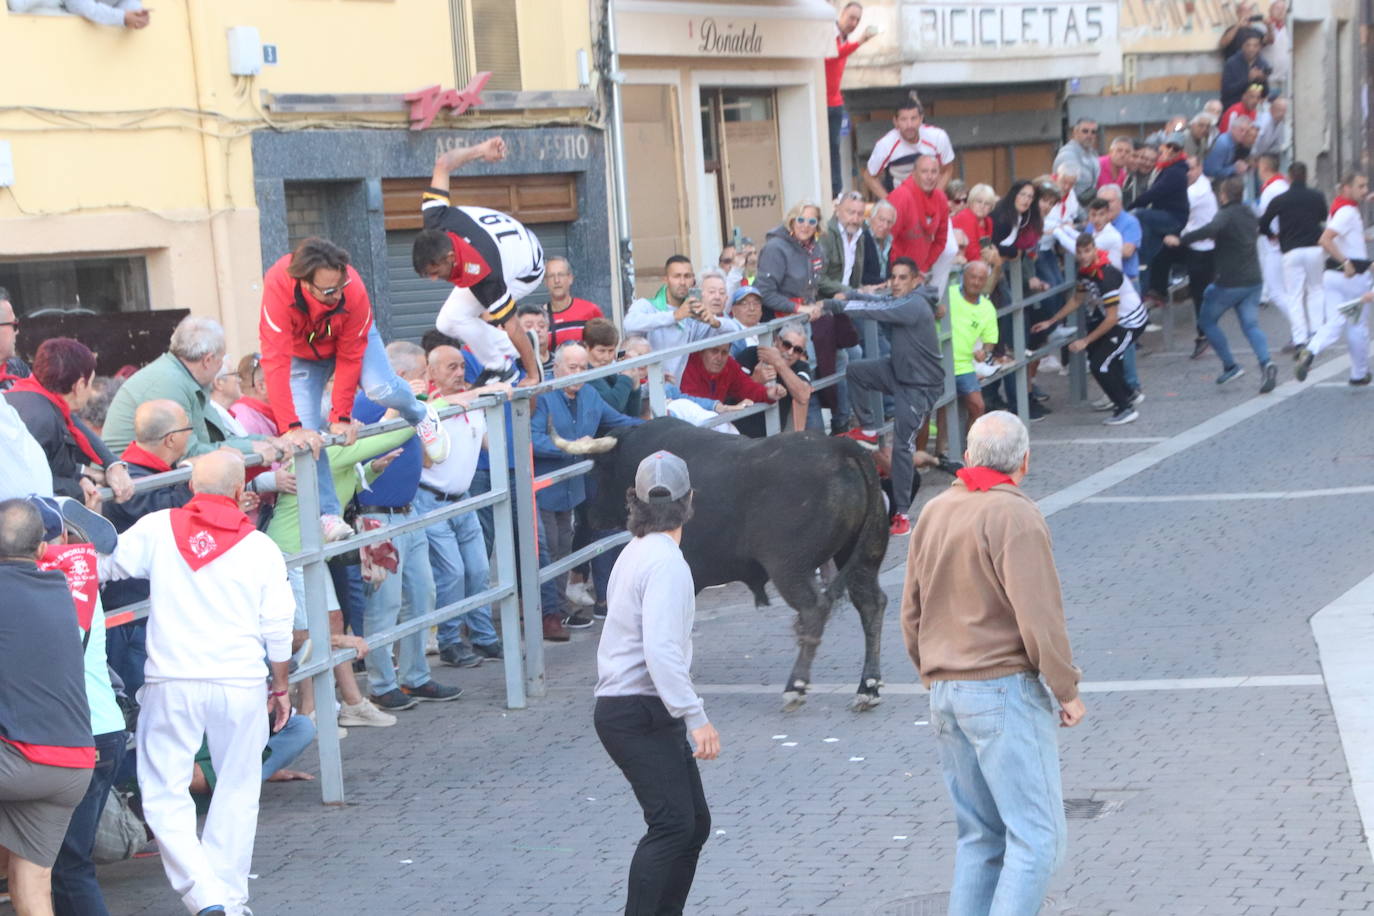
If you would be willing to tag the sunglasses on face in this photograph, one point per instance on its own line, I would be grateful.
(790, 348)
(961, 200)
(326, 293)
(807, 220)
(10, 324)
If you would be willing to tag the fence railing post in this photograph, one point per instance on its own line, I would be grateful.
(954, 424)
(527, 528)
(772, 417)
(507, 572)
(314, 573)
(872, 350)
(1018, 343)
(1078, 362)
(658, 397)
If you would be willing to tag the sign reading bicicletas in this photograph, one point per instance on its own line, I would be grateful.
(724, 30)
(979, 41)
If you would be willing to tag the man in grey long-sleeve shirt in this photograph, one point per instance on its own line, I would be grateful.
(672, 316)
(913, 374)
(645, 702)
(1238, 282)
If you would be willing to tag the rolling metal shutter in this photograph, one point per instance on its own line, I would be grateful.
(415, 301)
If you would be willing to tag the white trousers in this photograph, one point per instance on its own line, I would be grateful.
(461, 317)
(944, 264)
(211, 869)
(1305, 304)
(1339, 290)
(1271, 269)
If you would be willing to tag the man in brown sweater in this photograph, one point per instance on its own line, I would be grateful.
(983, 620)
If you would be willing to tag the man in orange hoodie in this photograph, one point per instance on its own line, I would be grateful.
(316, 322)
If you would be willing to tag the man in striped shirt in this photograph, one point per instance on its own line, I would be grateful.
(1116, 318)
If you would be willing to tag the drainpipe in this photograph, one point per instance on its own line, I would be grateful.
(625, 250)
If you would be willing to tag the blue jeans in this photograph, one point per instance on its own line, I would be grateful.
(75, 890)
(286, 745)
(126, 650)
(486, 517)
(379, 383)
(458, 559)
(1216, 300)
(405, 594)
(1000, 757)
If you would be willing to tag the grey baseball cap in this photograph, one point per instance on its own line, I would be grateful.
(1178, 138)
(662, 478)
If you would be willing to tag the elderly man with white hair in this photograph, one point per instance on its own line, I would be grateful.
(983, 620)
(877, 242)
(220, 603)
(1231, 151)
(185, 374)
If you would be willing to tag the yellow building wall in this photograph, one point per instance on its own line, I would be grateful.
(140, 141)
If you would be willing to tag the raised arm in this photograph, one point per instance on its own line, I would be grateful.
(449, 161)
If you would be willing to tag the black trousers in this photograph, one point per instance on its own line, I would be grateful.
(835, 121)
(1105, 360)
(650, 747)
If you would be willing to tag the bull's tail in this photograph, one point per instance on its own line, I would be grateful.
(870, 543)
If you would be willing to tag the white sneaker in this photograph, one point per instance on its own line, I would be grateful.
(433, 435)
(333, 528)
(1062, 335)
(1103, 403)
(364, 715)
(580, 593)
(984, 369)
(1050, 364)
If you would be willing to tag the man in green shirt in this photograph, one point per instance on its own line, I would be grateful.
(973, 331)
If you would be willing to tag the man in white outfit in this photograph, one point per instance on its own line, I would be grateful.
(1302, 211)
(220, 603)
(1345, 280)
(1272, 184)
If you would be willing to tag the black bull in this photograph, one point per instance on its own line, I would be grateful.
(771, 509)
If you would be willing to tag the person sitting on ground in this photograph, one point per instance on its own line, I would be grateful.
(184, 374)
(570, 314)
(785, 364)
(913, 375)
(47, 754)
(576, 414)
(620, 391)
(128, 14)
(535, 321)
(47, 400)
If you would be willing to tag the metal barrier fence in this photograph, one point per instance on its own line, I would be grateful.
(517, 575)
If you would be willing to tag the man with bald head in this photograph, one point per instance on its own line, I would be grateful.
(12, 368)
(220, 602)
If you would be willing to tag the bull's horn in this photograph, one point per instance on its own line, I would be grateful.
(594, 447)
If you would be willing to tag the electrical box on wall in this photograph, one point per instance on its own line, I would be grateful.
(6, 164)
(245, 51)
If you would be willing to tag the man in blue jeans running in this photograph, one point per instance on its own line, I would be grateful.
(316, 324)
(983, 620)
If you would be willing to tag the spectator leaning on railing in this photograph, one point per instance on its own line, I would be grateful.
(672, 316)
(785, 364)
(61, 382)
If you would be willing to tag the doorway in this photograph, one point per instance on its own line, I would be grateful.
(742, 164)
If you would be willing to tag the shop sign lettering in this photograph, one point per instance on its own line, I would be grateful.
(726, 38)
(425, 104)
(1003, 26)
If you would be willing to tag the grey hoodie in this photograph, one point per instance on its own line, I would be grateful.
(915, 338)
(788, 271)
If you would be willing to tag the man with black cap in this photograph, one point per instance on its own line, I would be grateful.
(645, 701)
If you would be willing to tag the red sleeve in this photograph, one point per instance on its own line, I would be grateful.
(352, 344)
(847, 48)
(941, 234)
(277, 340)
(743, 387)
(693, 381)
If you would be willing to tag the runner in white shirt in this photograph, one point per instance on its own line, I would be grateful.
(1202, 209)
(1345, 280)
(1272, 184)
(492, 260)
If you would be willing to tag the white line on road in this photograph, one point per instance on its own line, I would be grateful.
(1124, 440)
(1186, 683)
(1344, 631)
(1228, 497)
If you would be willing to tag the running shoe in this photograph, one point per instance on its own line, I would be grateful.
(88, 527)
(432, 435)
(1304, 362)
(1122, 417)
(901, 524)
(866, 439)
(1227, 374)
(1271, 378)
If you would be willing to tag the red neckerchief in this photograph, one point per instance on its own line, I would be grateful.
(469, 267)
(928, 215)
(207, 526)
(77, 562)
(1337, 204)
(137, 454)
(979, 478)
(1161, 166)
(31, 384)
(261, 407)
(1277, 176)
(6, 375)
(1096, 269)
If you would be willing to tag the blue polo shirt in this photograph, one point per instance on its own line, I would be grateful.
(398, 483)
(474, 369)
(1129, 227)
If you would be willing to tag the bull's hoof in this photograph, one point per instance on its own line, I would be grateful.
(863, 702)
(792, 700)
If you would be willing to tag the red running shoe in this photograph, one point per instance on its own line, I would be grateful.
(867, 440)
(900, 525)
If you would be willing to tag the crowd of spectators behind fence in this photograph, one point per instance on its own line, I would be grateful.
(907, 241)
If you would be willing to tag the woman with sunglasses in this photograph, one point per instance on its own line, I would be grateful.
(316, 323)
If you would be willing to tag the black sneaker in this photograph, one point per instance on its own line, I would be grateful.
(490, 650)
(1361, 382)
(1227, 374)
(431, 692)
(1200, 346)
(1304, 362)
(459, 657)
(1038, 412)
(599, 610)
(1271, 378)
(1122, 417)
(1039, 397)
(577, 622)
(394, 700)
(943, 462)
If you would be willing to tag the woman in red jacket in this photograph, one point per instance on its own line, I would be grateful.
(317, 322)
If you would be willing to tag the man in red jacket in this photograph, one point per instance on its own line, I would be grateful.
(922, 226)
(715, 374)
(317, 322)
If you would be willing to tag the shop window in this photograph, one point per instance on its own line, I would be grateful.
(95, 286)
(498, 51)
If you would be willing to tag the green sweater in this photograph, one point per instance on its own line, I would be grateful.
(167, 377)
